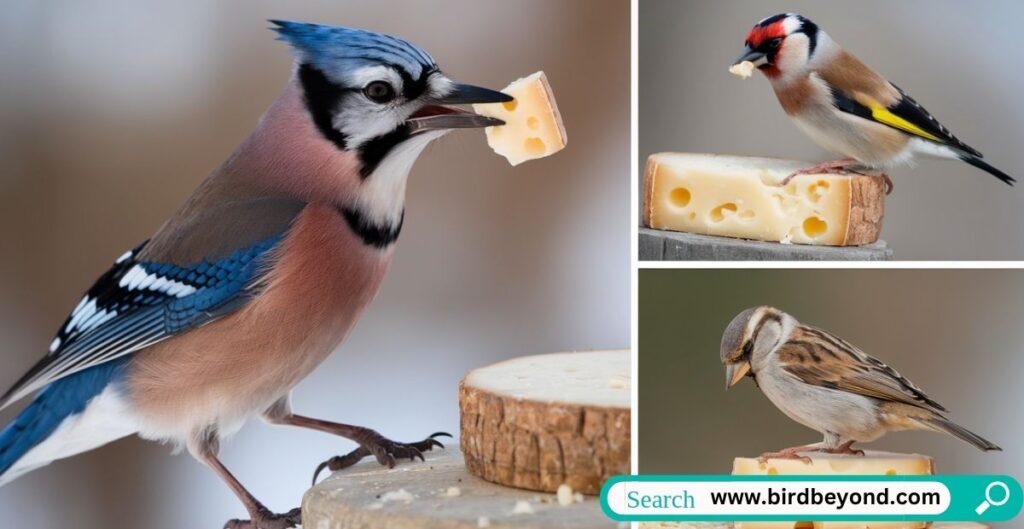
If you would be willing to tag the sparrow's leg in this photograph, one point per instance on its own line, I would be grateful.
(844, 448)
(791, 453)
(371, 443)
(833, 167)
(204, 446)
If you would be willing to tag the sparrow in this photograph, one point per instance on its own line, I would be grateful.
(845, 106)
(258, 277)
(827, 384)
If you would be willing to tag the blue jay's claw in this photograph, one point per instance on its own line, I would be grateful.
(264, 519)
(386, 451)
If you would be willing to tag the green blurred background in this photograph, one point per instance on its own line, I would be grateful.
(956, 333)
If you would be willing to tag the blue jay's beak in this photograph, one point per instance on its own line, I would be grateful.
(465, 94)
(752, 55)
(440, 117)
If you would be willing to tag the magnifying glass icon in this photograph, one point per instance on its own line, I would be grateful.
(989, 502)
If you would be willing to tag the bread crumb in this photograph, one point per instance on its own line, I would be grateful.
(742, 70)
(397, 495)
(453, 492)
(578, 497)
(522, 507)
(483, 521)
(616, 383)
(564, 494)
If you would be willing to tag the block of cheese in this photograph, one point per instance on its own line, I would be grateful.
(738, 196)
(538, 422)
(872, 463)
(533, 126)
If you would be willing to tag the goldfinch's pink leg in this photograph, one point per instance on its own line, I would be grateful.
(833, 167)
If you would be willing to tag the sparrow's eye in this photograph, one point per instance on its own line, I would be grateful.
(775, 43)
(379, 92)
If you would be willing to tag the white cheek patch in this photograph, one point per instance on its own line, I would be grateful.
(793, 56)
(382, 195)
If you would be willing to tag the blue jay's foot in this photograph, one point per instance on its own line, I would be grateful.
(264, 519)
(385, 450)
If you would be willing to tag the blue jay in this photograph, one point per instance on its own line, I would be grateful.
(259, 276)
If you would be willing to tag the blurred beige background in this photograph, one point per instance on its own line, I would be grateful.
(955, 333)
(111, 112)
(959, 59)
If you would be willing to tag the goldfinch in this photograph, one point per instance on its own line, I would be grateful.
(845, 106)
(824, 383)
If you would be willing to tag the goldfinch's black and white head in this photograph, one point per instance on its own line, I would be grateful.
(782, 44)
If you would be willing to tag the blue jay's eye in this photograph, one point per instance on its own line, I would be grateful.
(776, 42)
(379, 92)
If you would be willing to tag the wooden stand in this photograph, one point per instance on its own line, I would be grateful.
(416, 496)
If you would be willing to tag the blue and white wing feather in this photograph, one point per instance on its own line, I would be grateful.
(137, 303)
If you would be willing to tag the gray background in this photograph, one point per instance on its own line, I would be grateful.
(955, 333)
(959, 59)
(113, 110)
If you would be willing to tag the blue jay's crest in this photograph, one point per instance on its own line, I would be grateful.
(337, 50)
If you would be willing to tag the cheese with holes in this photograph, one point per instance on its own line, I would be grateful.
(738, 196)
(548, 421)
(533, 127)
(872, 463)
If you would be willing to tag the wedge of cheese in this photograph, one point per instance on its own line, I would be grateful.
(872, 463)
(738, 196)
(533, 126)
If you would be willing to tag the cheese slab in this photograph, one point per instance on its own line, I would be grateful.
(871, 463)
(533, 126)
(540, 422)
(739, 196)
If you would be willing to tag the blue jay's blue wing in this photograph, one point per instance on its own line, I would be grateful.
(138, 303)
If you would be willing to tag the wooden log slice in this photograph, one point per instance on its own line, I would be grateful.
(538, 422)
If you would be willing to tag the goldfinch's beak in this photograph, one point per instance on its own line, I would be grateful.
(752, 55)
(735, 372)
(442, 117)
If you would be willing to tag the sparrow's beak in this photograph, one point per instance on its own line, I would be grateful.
(441, 117)
(752, 55)
(735, 372)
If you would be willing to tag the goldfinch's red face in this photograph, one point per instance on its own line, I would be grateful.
(779, 43)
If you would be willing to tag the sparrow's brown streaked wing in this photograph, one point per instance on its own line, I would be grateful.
(815, 359)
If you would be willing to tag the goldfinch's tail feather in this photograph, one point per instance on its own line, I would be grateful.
(984, 166)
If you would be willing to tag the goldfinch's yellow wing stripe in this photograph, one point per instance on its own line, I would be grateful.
(883, 115)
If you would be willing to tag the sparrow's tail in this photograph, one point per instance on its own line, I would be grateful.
(984, 166)
(943, 424)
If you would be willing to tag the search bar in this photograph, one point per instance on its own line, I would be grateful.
(812, 498)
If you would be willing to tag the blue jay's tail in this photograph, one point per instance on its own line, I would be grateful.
(71, 415)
